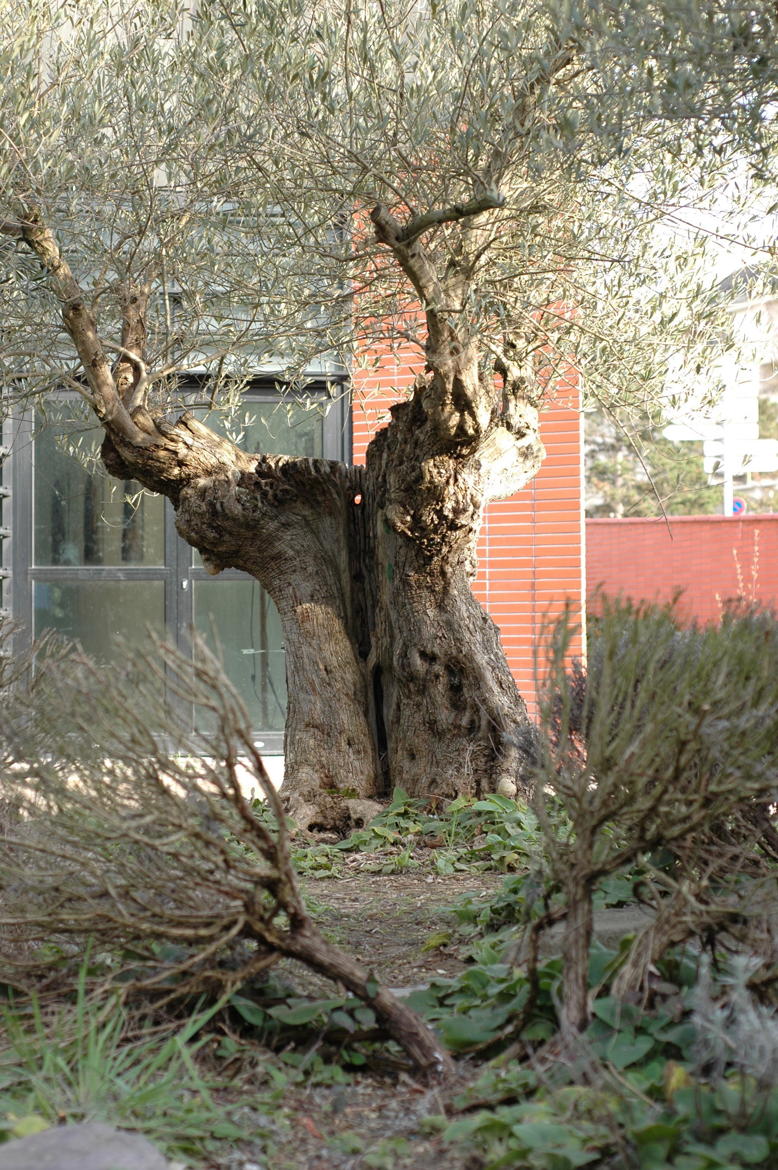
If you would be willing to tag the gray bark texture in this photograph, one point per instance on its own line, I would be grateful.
(396, 675)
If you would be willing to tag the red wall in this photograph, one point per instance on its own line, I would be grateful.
(531, 547)
(710, 558)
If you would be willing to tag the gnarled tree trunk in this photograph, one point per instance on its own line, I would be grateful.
(396, 675)
(448, 712)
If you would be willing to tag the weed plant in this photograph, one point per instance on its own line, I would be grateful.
(88, 1060)
(685, 1083)
(466, 836)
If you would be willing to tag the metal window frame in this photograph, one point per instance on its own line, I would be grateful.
(178, 573)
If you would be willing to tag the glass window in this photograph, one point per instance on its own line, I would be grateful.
(93, 557)
(82, 516)
(238, 619)
(94, 612)
(285, 427)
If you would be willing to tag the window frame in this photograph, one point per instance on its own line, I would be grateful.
(179, 573)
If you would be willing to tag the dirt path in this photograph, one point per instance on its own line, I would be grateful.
(385, 920)
(372, 1123)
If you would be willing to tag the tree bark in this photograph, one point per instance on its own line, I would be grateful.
(579, 924)
(448, 715)
(396, 675)
(287, 522)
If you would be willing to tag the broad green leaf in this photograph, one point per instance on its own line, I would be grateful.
(251, 1012)
(744, 1147)
(304, 1013)
(463, 1032)
(554, 1139)
(625, 1049)
(21, 1127)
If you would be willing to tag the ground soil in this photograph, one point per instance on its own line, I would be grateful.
(385, 920)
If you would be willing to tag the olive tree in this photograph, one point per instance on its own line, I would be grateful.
(504, 189)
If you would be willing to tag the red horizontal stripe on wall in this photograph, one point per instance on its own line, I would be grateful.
(530, 546)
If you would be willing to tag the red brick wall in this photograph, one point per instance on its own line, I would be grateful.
(531, 547)
(709, 558)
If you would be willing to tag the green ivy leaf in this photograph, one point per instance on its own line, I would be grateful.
(657, 1131)
(554, 1139)
(303, 1013)
(22, 1127)
(744, 1147)
(615, 1012)
(626, 1049)
(463, 1032)
(249, 1011)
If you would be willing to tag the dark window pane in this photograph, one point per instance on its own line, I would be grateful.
(93, 612)
(82, 515)
(240, 618)
(284, 427)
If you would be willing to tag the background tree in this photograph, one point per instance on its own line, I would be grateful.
(502, 187)
(633, 470)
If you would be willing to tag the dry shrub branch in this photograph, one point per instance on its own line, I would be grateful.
(664, 756)
(123, 826)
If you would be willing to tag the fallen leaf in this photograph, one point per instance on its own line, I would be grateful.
(310, 1125)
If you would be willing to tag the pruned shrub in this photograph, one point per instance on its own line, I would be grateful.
(127, 830)
(669, 740)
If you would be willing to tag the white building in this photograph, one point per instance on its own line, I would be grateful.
(740, 435)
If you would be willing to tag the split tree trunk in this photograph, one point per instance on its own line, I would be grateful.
(396, 676)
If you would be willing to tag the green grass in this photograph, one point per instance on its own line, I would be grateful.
(84, 1061)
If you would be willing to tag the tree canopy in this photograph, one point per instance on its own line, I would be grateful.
(508, 191)
(539, 162)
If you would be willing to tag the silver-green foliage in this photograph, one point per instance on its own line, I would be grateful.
(662, 753)
(226, 156)
(667, 729)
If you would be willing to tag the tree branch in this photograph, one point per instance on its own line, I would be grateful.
(137, 395)
(411, 257)
(130, 375)
(515, 126)
(81, 327)
(489, 201)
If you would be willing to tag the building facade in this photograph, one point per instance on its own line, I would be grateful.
(85, 556)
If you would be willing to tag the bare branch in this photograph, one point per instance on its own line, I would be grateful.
(82, 328)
